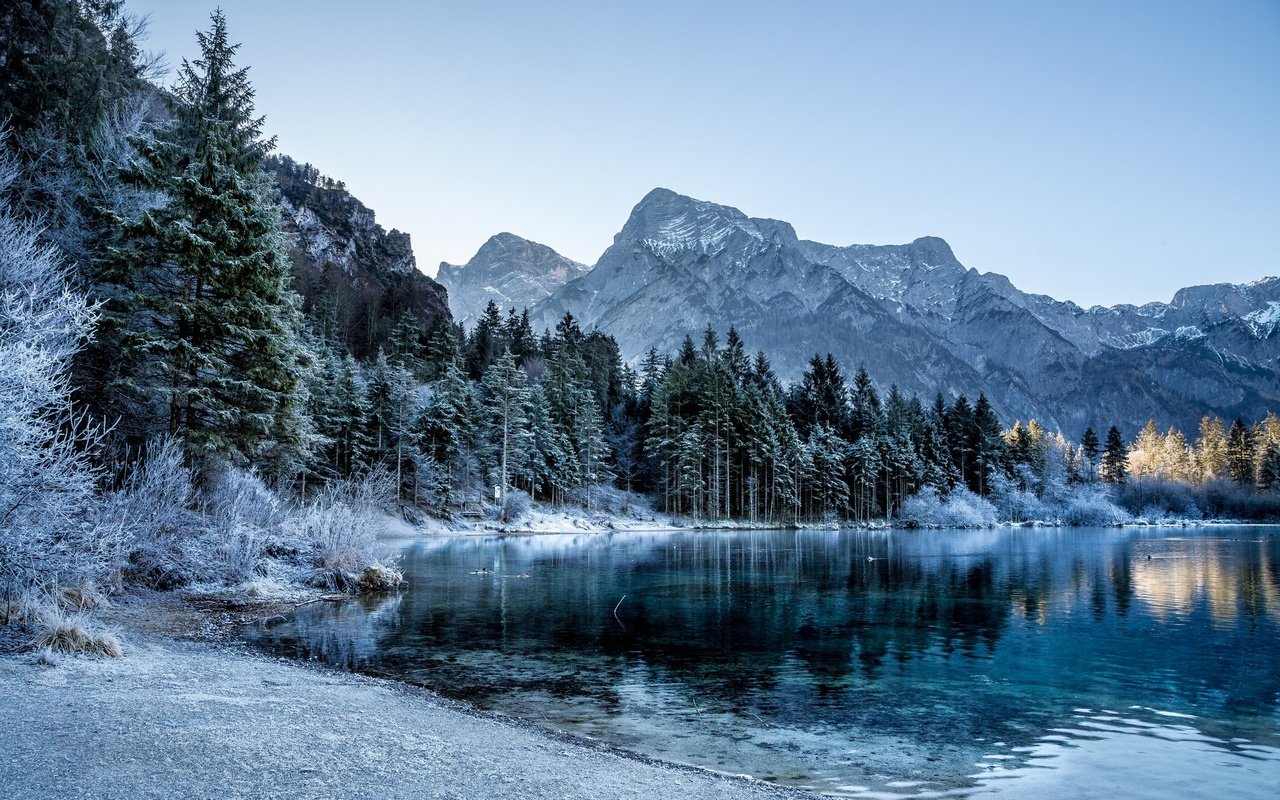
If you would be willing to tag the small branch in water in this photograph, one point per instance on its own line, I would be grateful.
(615, 608)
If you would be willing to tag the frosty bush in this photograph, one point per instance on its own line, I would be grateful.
(612, 500)
(1156, 498)
(340, 530)
(1091, 507)
(1223, 498)
(960, 509)
(158, 504)
(50, 531)
(517, 504)
(183, 535)
(1015, 504)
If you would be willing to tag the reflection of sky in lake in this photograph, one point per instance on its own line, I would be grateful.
(865, 663)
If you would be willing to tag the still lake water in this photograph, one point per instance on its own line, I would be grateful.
(1138, 662)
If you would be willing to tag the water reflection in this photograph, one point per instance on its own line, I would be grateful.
(851, 659)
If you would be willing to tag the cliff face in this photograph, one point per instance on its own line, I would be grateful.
(347, 268)
(918, 318)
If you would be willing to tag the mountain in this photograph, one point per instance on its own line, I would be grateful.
(918, 318)
(511, 271)
(346, 265)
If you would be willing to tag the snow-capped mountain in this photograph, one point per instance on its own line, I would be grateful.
(918, 318)
(511, 271)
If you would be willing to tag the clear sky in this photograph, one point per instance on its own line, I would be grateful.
(1102, 152)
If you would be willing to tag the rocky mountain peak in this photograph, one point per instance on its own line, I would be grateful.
(509, 270)
(342, 258)
(932, 251)
(668, 222)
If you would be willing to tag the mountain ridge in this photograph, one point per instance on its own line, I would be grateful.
(917, 317)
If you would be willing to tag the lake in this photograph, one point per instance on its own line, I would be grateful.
(1070, 663)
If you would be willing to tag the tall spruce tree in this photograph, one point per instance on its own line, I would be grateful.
(209, 346)
(1115, 458)
(1090, 446)
(1240, 453)
(505, 398)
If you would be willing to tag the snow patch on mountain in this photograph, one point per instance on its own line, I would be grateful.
(1264, 322)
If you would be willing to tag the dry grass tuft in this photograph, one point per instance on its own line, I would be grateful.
(85, 597)
(75, 634)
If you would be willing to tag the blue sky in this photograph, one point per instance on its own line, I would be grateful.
(1099, 152)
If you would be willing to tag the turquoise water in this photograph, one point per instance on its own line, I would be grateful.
(1043, 662)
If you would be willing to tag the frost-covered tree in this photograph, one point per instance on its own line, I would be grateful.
(1268, 469)
(830, 491)
(1240, 452)
(1211, 449)
(504, 394)
(48, 532)
(447, 427)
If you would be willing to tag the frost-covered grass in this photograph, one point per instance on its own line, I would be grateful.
(74, 634)
(228, 529)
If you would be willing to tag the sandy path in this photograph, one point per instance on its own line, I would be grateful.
(177, 719)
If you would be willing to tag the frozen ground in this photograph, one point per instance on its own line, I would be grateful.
(199, 720)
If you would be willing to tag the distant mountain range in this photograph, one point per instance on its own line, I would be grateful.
(912, 313)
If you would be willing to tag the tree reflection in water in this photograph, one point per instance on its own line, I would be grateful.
(932, 637)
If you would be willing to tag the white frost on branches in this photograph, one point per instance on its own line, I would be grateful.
(48, 532)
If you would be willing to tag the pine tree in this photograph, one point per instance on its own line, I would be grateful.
(1268, 468)
(593, 449)
(485, 342)
(1240, 453)
(505, 396)
(1211, 449)
(352, 449)
(552, 464)
(1114, 458)
(1089, 448)
(830, 491)
(446, 426)
(987, 444)
(210, 347)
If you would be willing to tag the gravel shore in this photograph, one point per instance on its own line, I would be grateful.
(183, 719)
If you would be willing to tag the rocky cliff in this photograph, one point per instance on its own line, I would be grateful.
(348, 269)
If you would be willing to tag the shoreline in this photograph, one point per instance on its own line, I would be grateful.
(190, 711)
(587, 525)
(190, 695)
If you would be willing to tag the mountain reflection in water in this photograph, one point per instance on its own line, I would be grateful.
(853, 662)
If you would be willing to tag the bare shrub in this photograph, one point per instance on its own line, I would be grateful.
(158, 504)
(515, 505)
(1157, 498)
(340, 530)
(1092, 507)
(960, 509)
